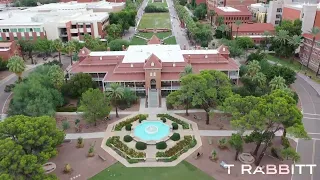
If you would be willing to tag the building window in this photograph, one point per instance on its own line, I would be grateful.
(37, 30)
(81, 34)
(277, 22)
(80, 26)
(88, 26)
(8, 38)
(16, 38)
(152, 63)
(21, 30)
(13, 30)
(5, 30)
(279, 9)
(73, 26)
(151, 74)
(278, 16)
(29, 30)
(154, 73)
(74, 34)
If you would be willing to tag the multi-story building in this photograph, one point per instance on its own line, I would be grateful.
(231, 14)
(253, 30)
(8, 49)
(274, 12)
(66, 21)
(314, 63)
(151, 67)
(232, 3)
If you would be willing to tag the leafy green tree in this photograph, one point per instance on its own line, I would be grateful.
(293, 27)
(93, 44)
(179, 98)
(238, 23)
(314, 32)
(187, 70)
(26, 143)
(207, 89)
(116, 45)
(290, 153)
(78, 84)
(114, 30)
(44, 46)
(70, 48)
(212, 13)
(17, 66)
(277, 83)
(58, 46)
(287, 73)
(200, 11)
(220, 20)
(115, 94)
(27, 46)
(94, 105)
(258, 56)
(260, 78)
(245, 42)
(295, 42)
(267, 35)
(253, 68)
(128, 97)
(56, 75)
(236, 143)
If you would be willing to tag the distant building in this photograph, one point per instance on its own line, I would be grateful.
(66, 21)
(231, 15)
(255, 31)
(314, 63)
(8, 49)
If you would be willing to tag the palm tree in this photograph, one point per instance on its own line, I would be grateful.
(253, 68)
(267, 34)
(187, 70)
(282, 36)
(70, 48)
(58, 45)
(220, 20)
(115, 94)
(224, 29)
(238, 23)
(17, 66)
(295, 42)
(314, 32)
(260, 78)
(212, 13)
(277, 82)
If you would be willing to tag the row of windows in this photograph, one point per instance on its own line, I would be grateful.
(16, 38)
(261, 33)
(21, 30)
(80, 26)
(237, 18)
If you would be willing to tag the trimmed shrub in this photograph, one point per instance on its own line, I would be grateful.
(142, 117)
(154, 9)
(120, 125)
(184, 124)
(222, 143)
(127, 138)
(163, 119)
(161, 145)
(9, 88)
(65, 125)
(128, 127)
(141, 145)
(285, 142)
(175, 137)
(175, 126)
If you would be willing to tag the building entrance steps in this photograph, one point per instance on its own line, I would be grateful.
(153, 98)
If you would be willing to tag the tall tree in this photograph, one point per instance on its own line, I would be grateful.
(277, 82)
(70, 48)
(212, 14)
(314, 32)
(115, 94)
(282, 36)
(220, 20)
(267, 34)
(253, 68)
(187, 70)
(78, 84)
(95, 105)
(238, 23)
(56, 75)
(59, 46)
(295, 42)
(17, 66)
(27, 46)
(236, 142)
(44, 46)
(26, 144)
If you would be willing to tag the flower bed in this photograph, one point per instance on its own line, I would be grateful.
(176, 120)
(181, 147)
(128, 121)
(123, 150)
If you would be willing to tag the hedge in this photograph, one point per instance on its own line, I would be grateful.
(127, 138)
(120, 125)
(175, 137)
(114, 141)
(128, 127)
(161, 145)
(141, 145)
(151, 8)
(66, 109)
(176, 120)
(181, 147)
(175, 126)
(163, 119)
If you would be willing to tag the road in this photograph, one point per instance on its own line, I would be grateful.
(177, 31)
(309, 150)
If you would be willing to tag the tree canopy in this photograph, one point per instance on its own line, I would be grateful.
(78, 84)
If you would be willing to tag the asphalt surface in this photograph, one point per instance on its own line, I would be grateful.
(309, 150)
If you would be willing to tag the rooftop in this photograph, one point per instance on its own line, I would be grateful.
(237, 11)
(255, 27)
(228, 9)
(300, 5)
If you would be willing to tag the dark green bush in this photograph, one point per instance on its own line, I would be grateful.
(154, 9)
(9, 88)
(176, 120)
(120, 125)
(3, 64)
(285, 142)
(163, 119)
(175, 126)
(127, 138)
(175, 137)
(141, 145)
(161, 145)
(128, 127)
(67, 109)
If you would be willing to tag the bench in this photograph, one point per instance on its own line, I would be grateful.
(223, 164)
(104, 159)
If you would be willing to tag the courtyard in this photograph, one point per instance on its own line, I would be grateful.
(155, 20)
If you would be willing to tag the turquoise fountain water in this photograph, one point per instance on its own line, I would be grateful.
(151, 130)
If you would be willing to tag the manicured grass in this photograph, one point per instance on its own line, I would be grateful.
(170, 40)
(159, 4)
(160, 35)
(155, 20)
(183, 171)
(138, 41)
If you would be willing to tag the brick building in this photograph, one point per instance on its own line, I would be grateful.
(231, 14)
(314, 63)
(8, 49)
(253, 30)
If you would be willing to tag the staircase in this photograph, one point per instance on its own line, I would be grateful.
(153, 99)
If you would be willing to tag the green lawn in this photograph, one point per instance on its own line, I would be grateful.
(159, 4)
(155, 20)
(183, 171)
(170, 40)
(138, 41)
(160, 35)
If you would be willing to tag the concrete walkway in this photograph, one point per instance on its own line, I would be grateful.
(312, 83)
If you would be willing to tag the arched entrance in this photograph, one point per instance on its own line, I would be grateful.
(153, 84)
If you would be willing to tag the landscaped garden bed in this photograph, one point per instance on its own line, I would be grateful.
(176, 120)
(123, 150)
(128, 121)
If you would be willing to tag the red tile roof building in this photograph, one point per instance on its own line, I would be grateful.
(8, 49)
(314, 63)
(231, 14)
(253, 30)
(154, 66)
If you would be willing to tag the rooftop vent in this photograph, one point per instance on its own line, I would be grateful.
(100, 58)
(206, 56)
(223, 49)
(131, 65)
(82, 51)
(174, 64)
(152, 64)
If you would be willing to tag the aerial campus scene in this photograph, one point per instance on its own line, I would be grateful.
(160, 89)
